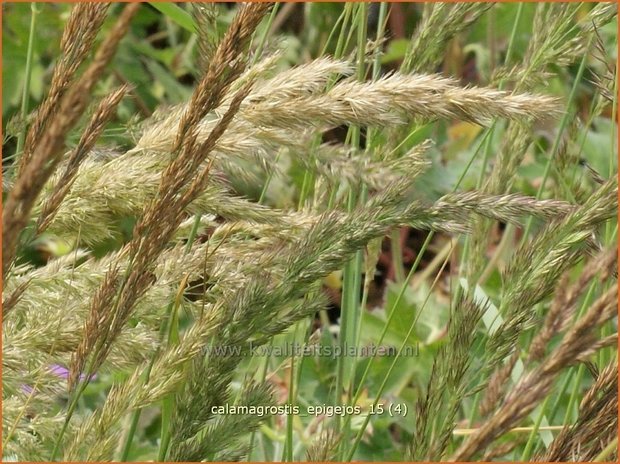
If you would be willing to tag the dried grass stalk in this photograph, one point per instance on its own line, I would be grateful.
(563, 306)
(92, 132)
(60, 111)
(596, 425)
(76, 43)
(152, 233)
(536, 384)
(45, 138)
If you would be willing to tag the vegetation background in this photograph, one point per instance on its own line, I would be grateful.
(307, 233)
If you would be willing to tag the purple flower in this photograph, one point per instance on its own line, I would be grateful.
(58, 371)
(27, 389)
(62, 371)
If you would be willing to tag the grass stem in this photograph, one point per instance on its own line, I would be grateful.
(23, 112)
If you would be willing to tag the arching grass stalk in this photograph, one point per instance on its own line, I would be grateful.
(287, 453)
(571, 371)
(169, 327)
(307, 183)
(28, 73)
(360, 433)
(489, 140)
(263, 375)
(529, 447)
(263, 38)
(609, 451)
(513, 34)
(82, 383)
(605, 355)
(257, 55)
(70, 410)
(399, 297)
(6, 437)
(351, 277)
(127, 440)
(370, 142)
(168, 402)
(558, 137)
(287, 450)
(340, 44)
(541, 419)
(342, 17)
(542, 412)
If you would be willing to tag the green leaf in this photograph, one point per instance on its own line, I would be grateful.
(395, 51)
(176, 14)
